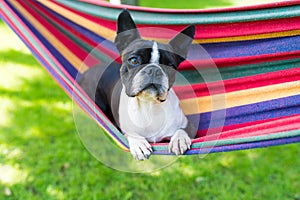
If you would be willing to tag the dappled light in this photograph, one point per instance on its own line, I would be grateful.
(12, 175)
(5, 106)
(11, 41)
(12, 75)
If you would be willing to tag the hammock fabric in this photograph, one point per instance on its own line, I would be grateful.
(256, 49)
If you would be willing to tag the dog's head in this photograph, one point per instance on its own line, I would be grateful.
(148, 67)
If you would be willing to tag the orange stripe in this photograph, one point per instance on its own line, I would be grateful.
(239, 98)
(110, 34)
(68, 54)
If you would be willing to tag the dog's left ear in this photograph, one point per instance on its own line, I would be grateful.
(126, 31)
(182, 41)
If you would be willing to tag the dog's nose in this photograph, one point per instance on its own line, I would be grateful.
(153, 71)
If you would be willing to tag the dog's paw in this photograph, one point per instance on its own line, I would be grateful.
(139, 147)
(180, 142)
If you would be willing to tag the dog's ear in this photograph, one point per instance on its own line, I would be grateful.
(182, 41)
(126, 31)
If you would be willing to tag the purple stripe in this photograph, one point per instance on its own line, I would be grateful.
(235, 147)
(64, 85)
(247, 48)
(70, 68)
(94, 116)
(277, 108)
(91, 35)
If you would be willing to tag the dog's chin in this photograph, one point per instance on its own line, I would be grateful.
(151, 94)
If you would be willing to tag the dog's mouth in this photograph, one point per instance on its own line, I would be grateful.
(153, 92)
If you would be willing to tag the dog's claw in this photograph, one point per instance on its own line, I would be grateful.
(179, 143)
(139, 148)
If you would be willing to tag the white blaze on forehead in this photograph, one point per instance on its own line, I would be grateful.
(154, 54)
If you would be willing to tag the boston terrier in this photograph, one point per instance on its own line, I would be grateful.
(137, 95)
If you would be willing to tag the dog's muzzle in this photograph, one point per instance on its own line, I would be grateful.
(151, 82)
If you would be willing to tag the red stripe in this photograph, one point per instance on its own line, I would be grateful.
(208, 31)
(256, 129)
(82, 37)
(101, 21)
(229, 128)
(206, 89)
(65, 73)
(226, 62)
(205, 31)
(213, 10)
(32, 47)
(79, 52)
(106, 23)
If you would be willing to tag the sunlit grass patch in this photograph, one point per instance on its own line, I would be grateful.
(9, 40)
(11, 175)
(12, 75)
(6, 105)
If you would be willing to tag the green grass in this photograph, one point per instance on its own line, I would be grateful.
(42, 157)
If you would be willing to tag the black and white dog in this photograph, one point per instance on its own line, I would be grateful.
(138, 94)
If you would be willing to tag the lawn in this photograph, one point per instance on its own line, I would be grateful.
(42, 157)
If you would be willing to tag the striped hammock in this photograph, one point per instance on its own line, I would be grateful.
(256, 50)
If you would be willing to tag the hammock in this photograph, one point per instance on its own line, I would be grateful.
(256, 50)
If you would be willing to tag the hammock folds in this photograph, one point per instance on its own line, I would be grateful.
(256, 50)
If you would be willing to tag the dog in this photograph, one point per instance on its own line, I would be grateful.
(137, 95)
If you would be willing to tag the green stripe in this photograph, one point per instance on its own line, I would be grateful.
(186, 18)
(227, 73)
(198, 145)
(69, 82)
(88, 48)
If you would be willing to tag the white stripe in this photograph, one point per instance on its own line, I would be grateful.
(155, 54)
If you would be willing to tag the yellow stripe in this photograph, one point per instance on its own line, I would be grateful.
(110, 34)
(117, 142)
(237, 38)
(94, 27)
(249, 37)
(72, 58)
(63, 49)
(239, 98)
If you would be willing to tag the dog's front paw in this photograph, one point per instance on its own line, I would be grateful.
(180, 142)
(139, 147)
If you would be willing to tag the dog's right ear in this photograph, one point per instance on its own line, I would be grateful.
(126, 31)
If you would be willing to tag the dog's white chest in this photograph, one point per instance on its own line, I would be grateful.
(154, 122)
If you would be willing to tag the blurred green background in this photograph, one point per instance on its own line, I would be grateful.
(41, 156)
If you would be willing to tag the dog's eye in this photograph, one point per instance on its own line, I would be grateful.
(134, 61)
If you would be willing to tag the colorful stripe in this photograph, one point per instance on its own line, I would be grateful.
(251, 57)
(206, 33)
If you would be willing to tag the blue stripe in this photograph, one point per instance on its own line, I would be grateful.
(67, 65)
(272, 109)
(247, 48)
(66, 88)
(235, 147)
(91, 35)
